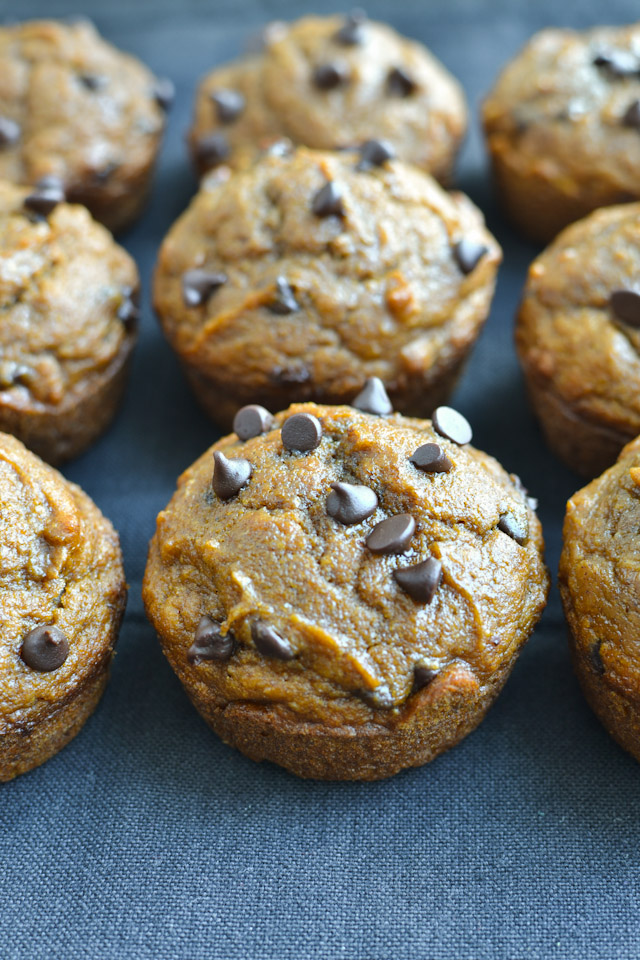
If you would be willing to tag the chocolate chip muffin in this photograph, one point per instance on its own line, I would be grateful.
(563, 127)
(599, 577)
(68, 296)
(310, 272)
(75, 109)
(330, 83)
(578, 337)
(62, 597)
(348, 591)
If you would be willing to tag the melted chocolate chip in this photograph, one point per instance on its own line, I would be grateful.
(103, 174)
(164, 93)
(290, 376)
(596, 658)
(47, 195)
(328, 76)
(431, 458)
(301, 433)
(12, 373)
(421, 580)
(514, 527)
(93, 81)
(373, 398)
(44, 649)
(400, 83)
(283, 300)
(229, 476)
(375, 153)
(452, 425)
(351, 32)
(423, 675)
(9, 132)
(269, 642)
(631, 117)
(229, 104)
(213, 149)
(351, 503)
(199, 285)
(392, 535)
(380, 698)
(619, 63)
(468, 254)
(625, 305)
(210, 643)
(328, 201)
(251, 421)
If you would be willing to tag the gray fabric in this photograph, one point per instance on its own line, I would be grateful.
(147, 838)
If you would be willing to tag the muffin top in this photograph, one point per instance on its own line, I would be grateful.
(568, 106)
(73, 107)
(67, 294)
(330, 267)
(579, 323)
(61, 586)
(331, 82)
(600, 570)
(338, 560)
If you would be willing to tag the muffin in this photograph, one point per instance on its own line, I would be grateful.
(563, 127)
(62, 598)
(75, 109)
(331, 83)
(309, 272)
(68, 295)
(578, 337)
(599, 577)
(348, 592)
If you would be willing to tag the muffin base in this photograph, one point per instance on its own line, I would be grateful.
(119, 206)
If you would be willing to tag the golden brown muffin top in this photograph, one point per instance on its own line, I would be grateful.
(568, 106)
(72, 106)
(359, 269)
(579, 323)
(66, 292)
(60, 569)
(333, 603)
(329, 83)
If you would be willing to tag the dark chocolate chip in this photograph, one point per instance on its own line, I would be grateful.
(328, 201)
(251, 421)
(631, 117)
(44, 649)
(421, 580)
(128, 311)
(328, 76)
(452, 425)
(47, 195)
(620, 63)
(213, 149)
(350, 502)
(269, 642)
(290, 376)
(50, 182)
(514, 527)
(210, 643)
(283, 300)
(423, 676)
(93, 81)
(199, 285)
(350, 33)
(532, 502)
(375, 153)
(431, 458)
(164, 93)
(12, 373)
(9, 132)
(392, 535)
(229, 104)
(103, 174)
(596, 658)
(373, 398)
(229, 476)
(301, 432)
(625, 305)
(380, 698)
(468, 254)
(400, 83)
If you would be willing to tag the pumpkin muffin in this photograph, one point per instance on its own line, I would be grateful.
(74, 108)
(62, 596)
(563, 127)
(68, 295)
(343, 590)
(309, 272)
(578, 337)
(331, 83)
(599, 578)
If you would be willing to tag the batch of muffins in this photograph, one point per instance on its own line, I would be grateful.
(322, 270)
